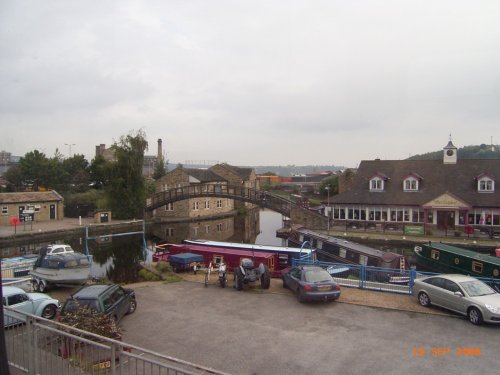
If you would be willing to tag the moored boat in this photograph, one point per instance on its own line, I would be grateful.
(439, 257)
(338, 250)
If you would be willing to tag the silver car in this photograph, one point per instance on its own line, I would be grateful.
(462, 294)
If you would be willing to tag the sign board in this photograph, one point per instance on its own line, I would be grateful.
(414, 230)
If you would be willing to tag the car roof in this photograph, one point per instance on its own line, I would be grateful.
(9, 290)
(91, 291)
(454, 277)
(312, 268)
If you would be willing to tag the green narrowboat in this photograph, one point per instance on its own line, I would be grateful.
(439, 257)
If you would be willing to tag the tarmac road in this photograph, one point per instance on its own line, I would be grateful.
(268, 333)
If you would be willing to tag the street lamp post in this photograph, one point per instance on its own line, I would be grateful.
(69, 145)
(327, 188)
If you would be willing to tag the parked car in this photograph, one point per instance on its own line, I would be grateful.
(32, 303)
(109, 299)
(462, 294)
(310, 283)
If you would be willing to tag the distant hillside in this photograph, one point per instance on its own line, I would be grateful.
(468, 152)
(289, 170)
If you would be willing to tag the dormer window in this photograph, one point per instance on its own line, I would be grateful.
(376, 184)
(412, 182)
(485, 184)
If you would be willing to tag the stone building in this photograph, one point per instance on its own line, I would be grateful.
(221, 211)
(446, 194)
(31, 206)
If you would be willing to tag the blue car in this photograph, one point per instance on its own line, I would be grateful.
(311, 283)
(31, 303)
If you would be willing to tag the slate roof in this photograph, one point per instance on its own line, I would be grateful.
(459, 180)
(204, 175)
(242, 172)
(30, 197)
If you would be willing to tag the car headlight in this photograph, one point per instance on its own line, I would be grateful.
(493, 309)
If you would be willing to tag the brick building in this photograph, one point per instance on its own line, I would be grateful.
(447, 194)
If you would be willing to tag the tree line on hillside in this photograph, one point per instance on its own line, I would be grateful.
(118, 185)
(467, 152)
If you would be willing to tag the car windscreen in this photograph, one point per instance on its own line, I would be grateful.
(315, 276)
(476, 288)
(73, 304)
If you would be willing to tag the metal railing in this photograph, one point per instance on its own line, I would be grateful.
(380, 279)
(40, 346)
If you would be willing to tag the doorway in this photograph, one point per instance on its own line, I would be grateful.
(446, 220)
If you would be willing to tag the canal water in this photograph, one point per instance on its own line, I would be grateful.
(117, 258)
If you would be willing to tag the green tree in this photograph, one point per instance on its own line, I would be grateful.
(333, 183)
(127, 189)
(14, 178)
(159, 171)
(34, 169)
(100, 171)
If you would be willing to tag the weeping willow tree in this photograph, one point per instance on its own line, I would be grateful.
(127, 188)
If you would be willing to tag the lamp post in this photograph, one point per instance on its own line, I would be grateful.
(327, 188)
(69, 145)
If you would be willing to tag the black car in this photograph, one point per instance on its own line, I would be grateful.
(311, 283)
(111, 300)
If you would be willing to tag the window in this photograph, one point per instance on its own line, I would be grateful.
(486, 184)
(196, 206)
(207, 228)
(195, 231)
(169, 232)
(477, 267)
(342, 253)
(217, 259)
(219, 203)
(220, 227)
(5, 210)
(17, 298)
(169, 207)
(207, 205)
(410, 184)
(435, 254)
(376, 184)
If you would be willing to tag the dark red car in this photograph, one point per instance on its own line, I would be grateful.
(311, 283)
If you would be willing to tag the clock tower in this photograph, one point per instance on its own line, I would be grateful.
(450, 153)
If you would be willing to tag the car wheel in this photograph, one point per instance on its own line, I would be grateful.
(49, 312)
(132, 306)
(424, 299)
(238, 279)
(42, 287)
(265, 279)
(300, 296)
(475, 316)
(284, 283)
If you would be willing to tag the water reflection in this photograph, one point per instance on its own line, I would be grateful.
(117, 258)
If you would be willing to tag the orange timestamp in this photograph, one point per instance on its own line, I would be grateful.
(420, 351)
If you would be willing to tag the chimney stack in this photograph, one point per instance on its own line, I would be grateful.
(160, 153)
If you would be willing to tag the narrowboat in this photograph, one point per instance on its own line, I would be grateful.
(59, 268)
(215, 255)
(18, 266)
(336, 250)
(439, 257)
(285, 255)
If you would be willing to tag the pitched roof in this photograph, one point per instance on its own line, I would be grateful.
(204, 175)
(30, 197)
(243, 173)
(458, 179)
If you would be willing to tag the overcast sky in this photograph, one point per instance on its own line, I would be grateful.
(250, 82)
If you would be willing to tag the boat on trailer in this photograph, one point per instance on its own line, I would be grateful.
(285, 255)
(215, 256)
(59, 265)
